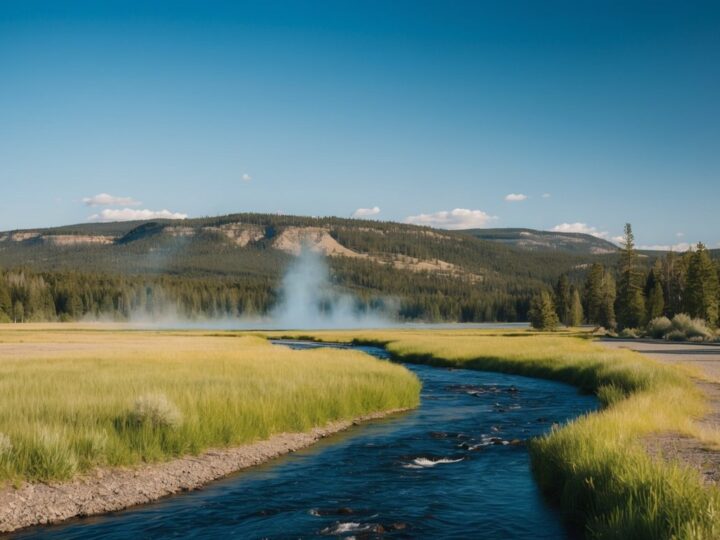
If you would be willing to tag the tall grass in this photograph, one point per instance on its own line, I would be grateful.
(596, 466)
(71, 401)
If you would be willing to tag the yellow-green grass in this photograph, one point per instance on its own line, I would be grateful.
(595, 466)
(74, 400)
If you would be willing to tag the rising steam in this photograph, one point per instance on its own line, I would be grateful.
(308, 299)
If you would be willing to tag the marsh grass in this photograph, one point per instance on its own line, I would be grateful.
(595, 466)
(72, 401)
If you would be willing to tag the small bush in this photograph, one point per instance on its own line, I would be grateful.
(691, 328)
(675, 335)
(629, 333)
(699, 330)
(681, 322)
(658, 327)
(157, 411)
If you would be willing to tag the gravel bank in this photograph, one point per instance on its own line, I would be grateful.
(108, 490)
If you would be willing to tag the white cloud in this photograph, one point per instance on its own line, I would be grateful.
(130, 214)
(618, 239)
(246, 177)
(680, 234)
(583, 228)
(105, 199)
(366, 212)
(515, 197)
(680, 247)
(546, 195)
(459, 218)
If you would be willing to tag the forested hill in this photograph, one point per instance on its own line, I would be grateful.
(232, 264)
(532, 240)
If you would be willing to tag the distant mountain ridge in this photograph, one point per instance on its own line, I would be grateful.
(535, 240)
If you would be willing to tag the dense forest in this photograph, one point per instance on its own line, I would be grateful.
(631, 296)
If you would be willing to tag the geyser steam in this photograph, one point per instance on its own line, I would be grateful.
(308, 300)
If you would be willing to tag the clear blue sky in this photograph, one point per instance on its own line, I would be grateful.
(610, 108)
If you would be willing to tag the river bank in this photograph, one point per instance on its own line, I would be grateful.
(109, 490)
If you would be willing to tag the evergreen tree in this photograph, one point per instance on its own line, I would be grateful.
(654, 292)
(607, 311)
(600, 297)
(576, 309)
(702, 287)
(542, 313)
(563, 299)
(593, 293)
(5, 300)
(674, 277)
(630, 303)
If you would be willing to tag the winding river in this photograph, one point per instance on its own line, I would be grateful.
(457, 467)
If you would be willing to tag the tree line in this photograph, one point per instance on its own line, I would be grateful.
(629, 296)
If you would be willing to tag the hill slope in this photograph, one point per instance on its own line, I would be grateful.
(431, 273)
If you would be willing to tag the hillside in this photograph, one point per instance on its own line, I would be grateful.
(431, 273)
(533, 240)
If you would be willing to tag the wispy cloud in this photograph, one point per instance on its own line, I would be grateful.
(680, 234)
(459, 218)
(105, 199)
(132, 214)
(546, 195)
(582, 228)
(366, 212)
(246, 177)
(515, 197)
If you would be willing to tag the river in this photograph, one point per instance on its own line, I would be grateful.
(456, 467)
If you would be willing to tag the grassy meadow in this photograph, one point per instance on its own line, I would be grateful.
(595, 466)
(75, 399)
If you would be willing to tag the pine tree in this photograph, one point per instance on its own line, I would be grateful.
(593, 293)
(600, 297)
(542, 312)
(674, 277)
(576, 309)
(630, 303)
(563, 299)
(654, 292)
(607, 308)
(5, 300)
(701, 297)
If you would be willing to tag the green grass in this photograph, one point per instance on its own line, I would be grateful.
(596, 466)
(72, 401)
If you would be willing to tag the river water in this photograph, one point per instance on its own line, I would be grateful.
(457, 467)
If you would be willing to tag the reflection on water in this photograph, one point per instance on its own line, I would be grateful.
(457, 467)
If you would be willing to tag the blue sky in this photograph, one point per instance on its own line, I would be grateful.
(432, 112)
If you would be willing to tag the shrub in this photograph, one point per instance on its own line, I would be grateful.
(675, 335)
(681, 322)
(629, 333)
(699, 329)
(658, 327)
(691, 328)
(157, 411)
